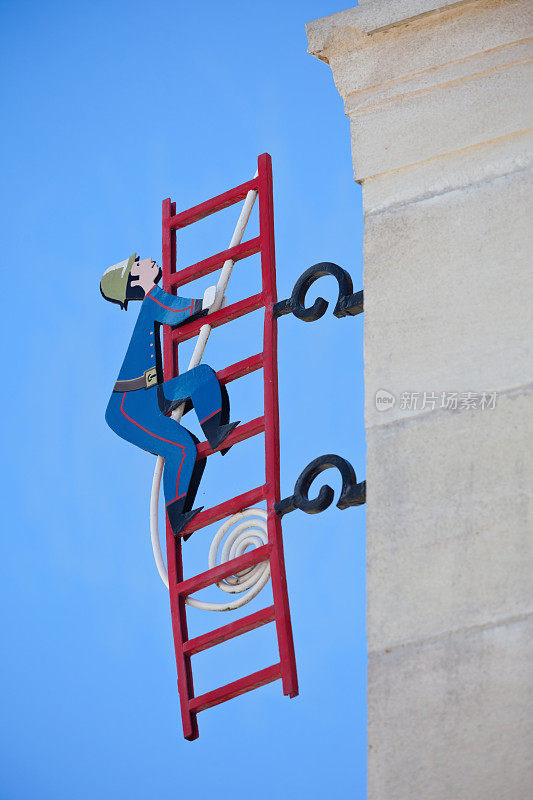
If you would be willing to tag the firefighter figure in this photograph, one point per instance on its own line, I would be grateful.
(141, 403)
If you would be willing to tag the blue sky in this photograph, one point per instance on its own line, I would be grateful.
(108, 108)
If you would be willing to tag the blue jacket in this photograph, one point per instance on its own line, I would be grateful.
(144, 351)
(140, 415)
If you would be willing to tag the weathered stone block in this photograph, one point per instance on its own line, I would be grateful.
(449, 517)
(424, 124)
(450, 718)
(445, 294)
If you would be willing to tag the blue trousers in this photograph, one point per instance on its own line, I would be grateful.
(138, 417)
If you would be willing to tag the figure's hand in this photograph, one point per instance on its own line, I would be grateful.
(209, 298)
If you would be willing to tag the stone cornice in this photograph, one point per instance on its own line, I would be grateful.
(420, 79)
(346, 30)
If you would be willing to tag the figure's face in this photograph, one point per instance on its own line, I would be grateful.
(145, 269)
(145, 272)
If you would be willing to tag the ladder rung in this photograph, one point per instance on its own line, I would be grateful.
(218, 573)
(212, 263)
(227, 632)
(238, 434)
(225, 509)
(234, 311)
(240, 368)
(210, 206)
(230, 690)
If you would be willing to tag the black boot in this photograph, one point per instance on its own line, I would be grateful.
(178, 517)
(216, 431)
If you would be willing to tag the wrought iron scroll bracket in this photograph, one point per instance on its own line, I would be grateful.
(348, 302)
(352, 493)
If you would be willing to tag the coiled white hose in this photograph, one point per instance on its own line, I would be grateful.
(250, 531)
(196, 358)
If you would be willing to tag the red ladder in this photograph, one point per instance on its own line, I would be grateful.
(179, 588)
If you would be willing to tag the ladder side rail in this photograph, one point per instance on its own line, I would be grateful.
(174, 553)
(271, 413)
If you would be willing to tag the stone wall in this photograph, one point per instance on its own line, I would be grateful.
(439, 99)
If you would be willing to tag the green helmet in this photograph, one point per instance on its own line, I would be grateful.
(115, 281)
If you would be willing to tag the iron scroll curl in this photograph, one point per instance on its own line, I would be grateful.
(352, 493)
(348, 302)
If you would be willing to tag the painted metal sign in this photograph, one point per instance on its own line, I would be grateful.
(151, 396)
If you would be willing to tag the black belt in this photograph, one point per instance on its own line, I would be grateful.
(144, 381)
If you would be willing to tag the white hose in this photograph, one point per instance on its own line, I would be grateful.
(177, 414)
(154, 520)
(250, 531)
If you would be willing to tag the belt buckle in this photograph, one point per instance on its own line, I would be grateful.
(150, 377)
